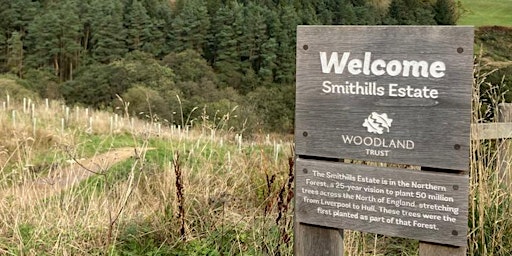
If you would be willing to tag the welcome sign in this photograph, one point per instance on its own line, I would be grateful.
(396, 94)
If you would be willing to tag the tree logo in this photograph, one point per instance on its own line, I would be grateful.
(376, 123)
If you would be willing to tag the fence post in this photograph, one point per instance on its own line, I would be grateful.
(316, 240)
(504, 115)
(441, 250)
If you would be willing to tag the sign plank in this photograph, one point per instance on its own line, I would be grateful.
(413, 204)
(396, 94)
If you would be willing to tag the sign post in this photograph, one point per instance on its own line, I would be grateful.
(384, 94)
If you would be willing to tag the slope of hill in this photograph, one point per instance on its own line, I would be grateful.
(486, 13)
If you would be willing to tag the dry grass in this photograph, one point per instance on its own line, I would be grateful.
(236, 193)
(229, 205)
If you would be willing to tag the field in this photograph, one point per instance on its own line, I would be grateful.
(486, 13)
(74, 181)
(81, 182)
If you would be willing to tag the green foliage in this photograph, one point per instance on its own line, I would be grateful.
(98, 85)
(275, 106)
(445, 12)
(10, 86)
(189, 66)
(141, 68)
(410, 12)
(95, 85)
(3, 49)
(145, 103)
(190, 26)
(15, 56)
(52, 39)
(17, 15)
(43, 82)
(224, 44)
(212, 52)
(138, 27)
(288, 19)
(108, 34)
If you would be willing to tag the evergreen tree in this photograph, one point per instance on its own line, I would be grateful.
(307, 13)
(3, 50)
(409, 12)
(69, 38)
(252, 42)
(285, 35)
(108, 36)
(54, 40)
(345, 14)
(190, 27)
(225, 54)
(213, 6)
(138, 26)
(160, 14)
(86, 16)
(445, 12)
(367, 15)
(15, 16)
(15, 54)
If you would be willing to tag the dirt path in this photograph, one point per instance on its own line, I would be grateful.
(65, 177)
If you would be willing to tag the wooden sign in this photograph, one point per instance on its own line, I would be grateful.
(426, 206)
(396, 94)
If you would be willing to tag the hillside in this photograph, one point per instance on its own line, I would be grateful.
(81, 182)
(493, 48)
(496, 42)
(486, 13)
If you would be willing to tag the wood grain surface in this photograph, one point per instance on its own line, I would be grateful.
(427, 206)
(439, 127)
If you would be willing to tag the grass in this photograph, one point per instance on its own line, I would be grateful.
(131, 208)
(490, 196)
(486, 13)
(235, 194)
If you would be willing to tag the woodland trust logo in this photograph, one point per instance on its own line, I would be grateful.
(376, 123)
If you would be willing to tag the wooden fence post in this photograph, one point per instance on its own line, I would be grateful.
(429, 249)
(505, 115)
(316, 240)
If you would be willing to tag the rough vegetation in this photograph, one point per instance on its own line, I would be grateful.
(186, 57)
(200, 83)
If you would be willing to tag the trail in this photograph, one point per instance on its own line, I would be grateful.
(67, 176)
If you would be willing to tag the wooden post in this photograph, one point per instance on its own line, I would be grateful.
(316, 240)
(505, 115)
(428, 249)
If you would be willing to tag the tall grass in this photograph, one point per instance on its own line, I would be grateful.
(490, 191)
(228, 204)
(198, 191)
